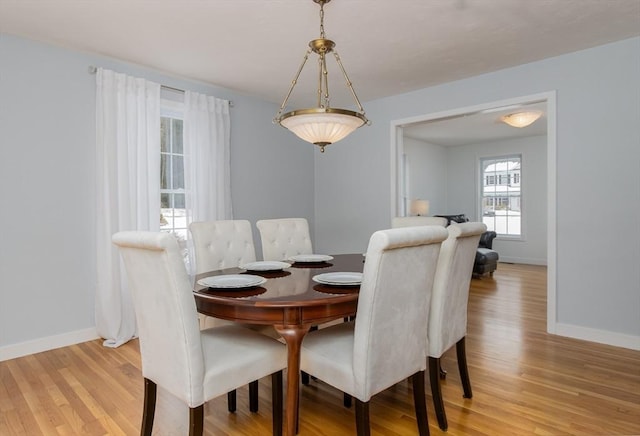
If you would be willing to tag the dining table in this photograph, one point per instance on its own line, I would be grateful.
(292, 300)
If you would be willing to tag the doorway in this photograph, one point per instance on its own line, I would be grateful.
(399, 177)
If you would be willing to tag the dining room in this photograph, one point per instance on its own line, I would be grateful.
(525, 382)
(584, 350)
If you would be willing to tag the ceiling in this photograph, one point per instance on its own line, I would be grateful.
(477, 127)
(388, 47)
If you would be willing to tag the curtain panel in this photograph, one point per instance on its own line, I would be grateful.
(128, 189)
(207, 157)
(207, 161)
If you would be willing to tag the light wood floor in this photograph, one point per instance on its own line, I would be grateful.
(525, 382)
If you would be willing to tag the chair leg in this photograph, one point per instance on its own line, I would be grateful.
(363, 427)
(276, 402)
(231, 401)
(443, 373)
(420, 403)
(149, 408)
(253, 396)
(436, 392)
(462, 367)
(346, 400)
(196, 420)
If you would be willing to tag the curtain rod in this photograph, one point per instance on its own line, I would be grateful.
(93, 70)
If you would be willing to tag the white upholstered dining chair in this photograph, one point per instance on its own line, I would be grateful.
(222, 244)
(387, 342)
(218, 245)
(412, 221)
(448, 310)
(192, 364)
(284, 237)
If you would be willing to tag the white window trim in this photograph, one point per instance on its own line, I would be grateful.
(480, 192)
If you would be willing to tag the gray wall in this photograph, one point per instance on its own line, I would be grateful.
(427, 168)
(47, 142)
(598, 90)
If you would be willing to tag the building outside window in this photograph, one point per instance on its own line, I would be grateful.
(501, 196)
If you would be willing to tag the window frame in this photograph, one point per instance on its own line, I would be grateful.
(173, 109)
(480, 179)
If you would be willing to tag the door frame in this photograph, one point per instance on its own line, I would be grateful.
(397, 152)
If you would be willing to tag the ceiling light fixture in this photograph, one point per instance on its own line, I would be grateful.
(521, 119)
(322, 125)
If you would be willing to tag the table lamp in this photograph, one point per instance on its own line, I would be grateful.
(419, 207)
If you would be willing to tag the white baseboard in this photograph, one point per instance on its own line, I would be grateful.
(523, 260)
(47, 343)
(599, 336)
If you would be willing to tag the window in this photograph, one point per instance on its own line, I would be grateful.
(173, 216)
(501, 197)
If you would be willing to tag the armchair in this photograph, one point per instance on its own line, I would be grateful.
(486, 258)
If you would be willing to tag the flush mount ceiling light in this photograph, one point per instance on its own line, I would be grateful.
(322, 125)
(521, 119)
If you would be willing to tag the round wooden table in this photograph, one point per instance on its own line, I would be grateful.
(290, 301)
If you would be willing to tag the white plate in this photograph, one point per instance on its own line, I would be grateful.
(232, 281)
(266, 265)
(339, 278)
(311, 258)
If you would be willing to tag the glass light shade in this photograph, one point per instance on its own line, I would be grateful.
(521, 119)
(419, 207)
(322, 126)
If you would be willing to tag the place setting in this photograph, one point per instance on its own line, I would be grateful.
(234, 285)
(269, 269)
(337, 282)
(311, 260)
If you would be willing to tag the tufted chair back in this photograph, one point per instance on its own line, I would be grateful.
(388, 340)
(411, 221)
(283, 238)
(165, 313)
(448, 314)
(390, 329)
(222, 244)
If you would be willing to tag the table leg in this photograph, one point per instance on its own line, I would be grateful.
(293, 336)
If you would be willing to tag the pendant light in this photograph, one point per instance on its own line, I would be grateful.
(322, 125)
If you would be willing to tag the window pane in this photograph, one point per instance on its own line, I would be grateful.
(165, 201)
(176, 136)
(178, 201)
(164, 171)
(178, 172)
(164, 134)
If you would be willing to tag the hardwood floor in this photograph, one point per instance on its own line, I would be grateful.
(525, 382)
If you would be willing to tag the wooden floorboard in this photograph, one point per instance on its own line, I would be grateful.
(525, 382)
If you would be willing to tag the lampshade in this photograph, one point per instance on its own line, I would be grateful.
(322, 125)
(420, 207)
(521, 119)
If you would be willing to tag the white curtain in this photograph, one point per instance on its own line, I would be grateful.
(206, 157)
(206, 161)
(128, 188)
